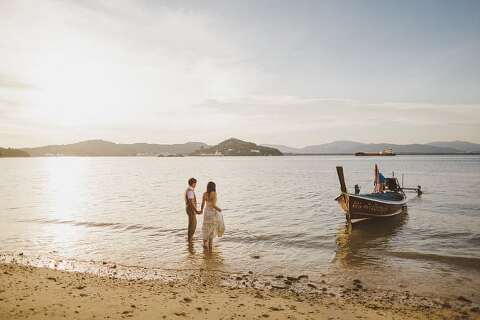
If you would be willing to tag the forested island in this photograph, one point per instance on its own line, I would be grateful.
(236, 147)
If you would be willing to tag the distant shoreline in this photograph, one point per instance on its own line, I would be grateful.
(398, 154)
(236, 147)
(233, 156)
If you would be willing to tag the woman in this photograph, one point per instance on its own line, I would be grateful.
(211, 221)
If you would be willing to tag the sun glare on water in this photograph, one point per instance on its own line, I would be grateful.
(66, 187)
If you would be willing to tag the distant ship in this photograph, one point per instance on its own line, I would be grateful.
(385, 153)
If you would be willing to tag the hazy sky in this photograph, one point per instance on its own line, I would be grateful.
(283, 72)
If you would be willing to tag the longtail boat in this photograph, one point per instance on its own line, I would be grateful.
(388, 198)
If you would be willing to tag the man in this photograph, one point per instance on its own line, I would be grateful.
(191, 207)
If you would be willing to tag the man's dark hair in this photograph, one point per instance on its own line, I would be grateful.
(191, 181)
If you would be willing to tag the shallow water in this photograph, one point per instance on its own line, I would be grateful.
(131, 211)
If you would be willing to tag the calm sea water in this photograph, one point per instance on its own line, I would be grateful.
(131, 211)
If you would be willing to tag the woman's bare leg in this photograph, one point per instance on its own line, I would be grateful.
(210, 244)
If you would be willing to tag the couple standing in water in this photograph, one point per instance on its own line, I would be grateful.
(213, 224)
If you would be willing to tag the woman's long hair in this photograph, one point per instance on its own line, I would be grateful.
(211, 187)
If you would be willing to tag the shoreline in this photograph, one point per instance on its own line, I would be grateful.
(334, 279)
(233, 156)
(37, 292)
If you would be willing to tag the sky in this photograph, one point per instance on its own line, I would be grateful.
(275, 72)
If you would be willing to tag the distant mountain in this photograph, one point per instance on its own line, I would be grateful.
(283, 148)
(236, 147)
(9, 152)
(106, 148)
(337, 147)
(463, 146)
(351, 147)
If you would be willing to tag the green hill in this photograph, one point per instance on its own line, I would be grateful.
(9, 152)
(107, 148)
(236, 147)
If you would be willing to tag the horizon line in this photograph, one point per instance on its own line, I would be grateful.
(248, 140)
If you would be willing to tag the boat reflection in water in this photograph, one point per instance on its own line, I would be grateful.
(361, 243)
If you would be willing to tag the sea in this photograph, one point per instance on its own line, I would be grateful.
(280, 217)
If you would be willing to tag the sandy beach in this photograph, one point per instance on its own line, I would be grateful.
(41, 293)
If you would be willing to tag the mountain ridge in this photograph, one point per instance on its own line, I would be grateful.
(351, 147)
(465, 146)
(12, 153)
(106, 148)
(100, 147)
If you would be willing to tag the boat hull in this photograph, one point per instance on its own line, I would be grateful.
(361, 207)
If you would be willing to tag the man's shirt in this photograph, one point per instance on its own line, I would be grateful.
(190, 193)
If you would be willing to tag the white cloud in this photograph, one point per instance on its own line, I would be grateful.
(301, 121)
(142, 71)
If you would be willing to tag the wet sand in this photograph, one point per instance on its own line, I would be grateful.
(40, 293)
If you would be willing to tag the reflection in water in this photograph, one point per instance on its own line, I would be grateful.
(191, 249)
(204, 259)
(212, 260)
(355, 242)
(210, 264)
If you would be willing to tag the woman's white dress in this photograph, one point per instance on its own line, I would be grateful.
(213, 225)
